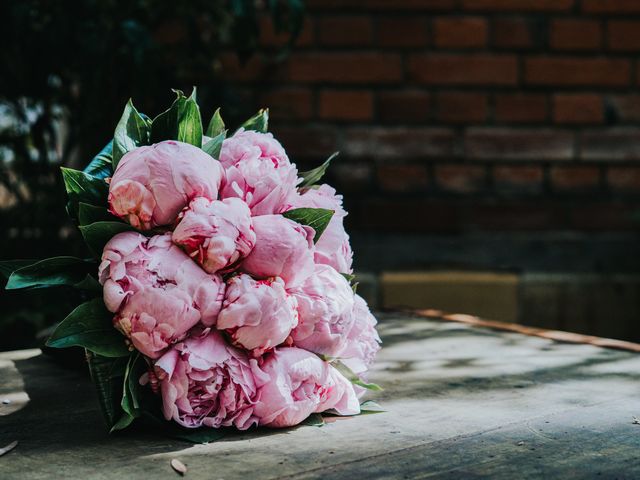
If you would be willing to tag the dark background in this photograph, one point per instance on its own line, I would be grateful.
(490, 148)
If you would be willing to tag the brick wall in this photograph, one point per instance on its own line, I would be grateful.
(463, 115)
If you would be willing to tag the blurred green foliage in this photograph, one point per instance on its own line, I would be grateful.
(66, 70)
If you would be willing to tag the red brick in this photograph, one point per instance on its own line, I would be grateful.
(410, 5)
(346, 105)
(402, 32)
(469, 32)
(624, 179)
(307, 141)
(170, 32)
(518, 144)
(345, 30)
(460, 178)
(626, 107)
(574, 71)
(518, 179)
(270, 38)
(621, 143)
(574, 179)
(345, 67)
(521, 108)
(474, 69)
(417, 215)
(352, 177)
(623, 35)
(518, 5)
(288, 103)
(578, 108)
(575, 34)
(611, 6)
(402, 143)
(608, 216)
(254, 69)
(461, 107)
(406, 106)
(530, 216)
(402, 178)
(512, 33)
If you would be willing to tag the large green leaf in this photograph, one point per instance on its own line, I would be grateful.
(131, 403)
(51, 272)
(100, 166)
(97, 234)
(216, 125)
(353, 377)
(313, 420)
(312, 177)
(132, 131)
(88, 214)
(181, 122)
(214, 146)
(107, 374)
(316, 218)
(259, 122)
(82, 187)
(7, 267)
(90, 326)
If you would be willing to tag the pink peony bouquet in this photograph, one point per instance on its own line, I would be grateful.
(221, 294)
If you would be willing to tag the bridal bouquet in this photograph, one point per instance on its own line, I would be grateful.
(222, 291)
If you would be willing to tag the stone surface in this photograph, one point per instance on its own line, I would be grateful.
(462, 402)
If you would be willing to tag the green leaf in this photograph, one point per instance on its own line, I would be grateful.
(259, 122)
(130, 402)
(51, 272)
(100, 166)
(82, 187)
(216, 125)
(313, 420)
(7, 267)
(353, 377)
(370, 407)
(99, 233)
(197, 435)
(90, 284)
(312, 177)
(106, 374)
(90, 326)
(181, 122)
(131, 132)
(349, 276)
(88, 214)
(213, 146)
(316, 218)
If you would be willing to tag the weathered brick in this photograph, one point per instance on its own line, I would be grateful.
(521, 108)
(461, 107)
(574, 71)
(513, 33)
(611, 6)
(345, 105)
(270, 38)
(461, 178)
(345, 30)
(402, 143)
(515, 216)
(255, 69)
(353, 177)
(626, 108)
(345, 67)
(623, 35)
(459, 69)
(307, 141)
(621, 143)
(518, 144)
(402, 32)
(464, 32)
(624, 179)
(575, 34)
(288, 103)
(402, 178)
(575, 178)
(518, 179)
(578, 108)
(404, 106)
(405, 215)
(519, 5)
(607, 216)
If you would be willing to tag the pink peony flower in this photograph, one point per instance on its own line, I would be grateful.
(216, 233)
(205, 382)
(152, 184)
(333, 247)
(325, 306)
(259, 314)
(362, 342)
(258, 171)
(283, 249)
(133, 263)
(299, 384)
